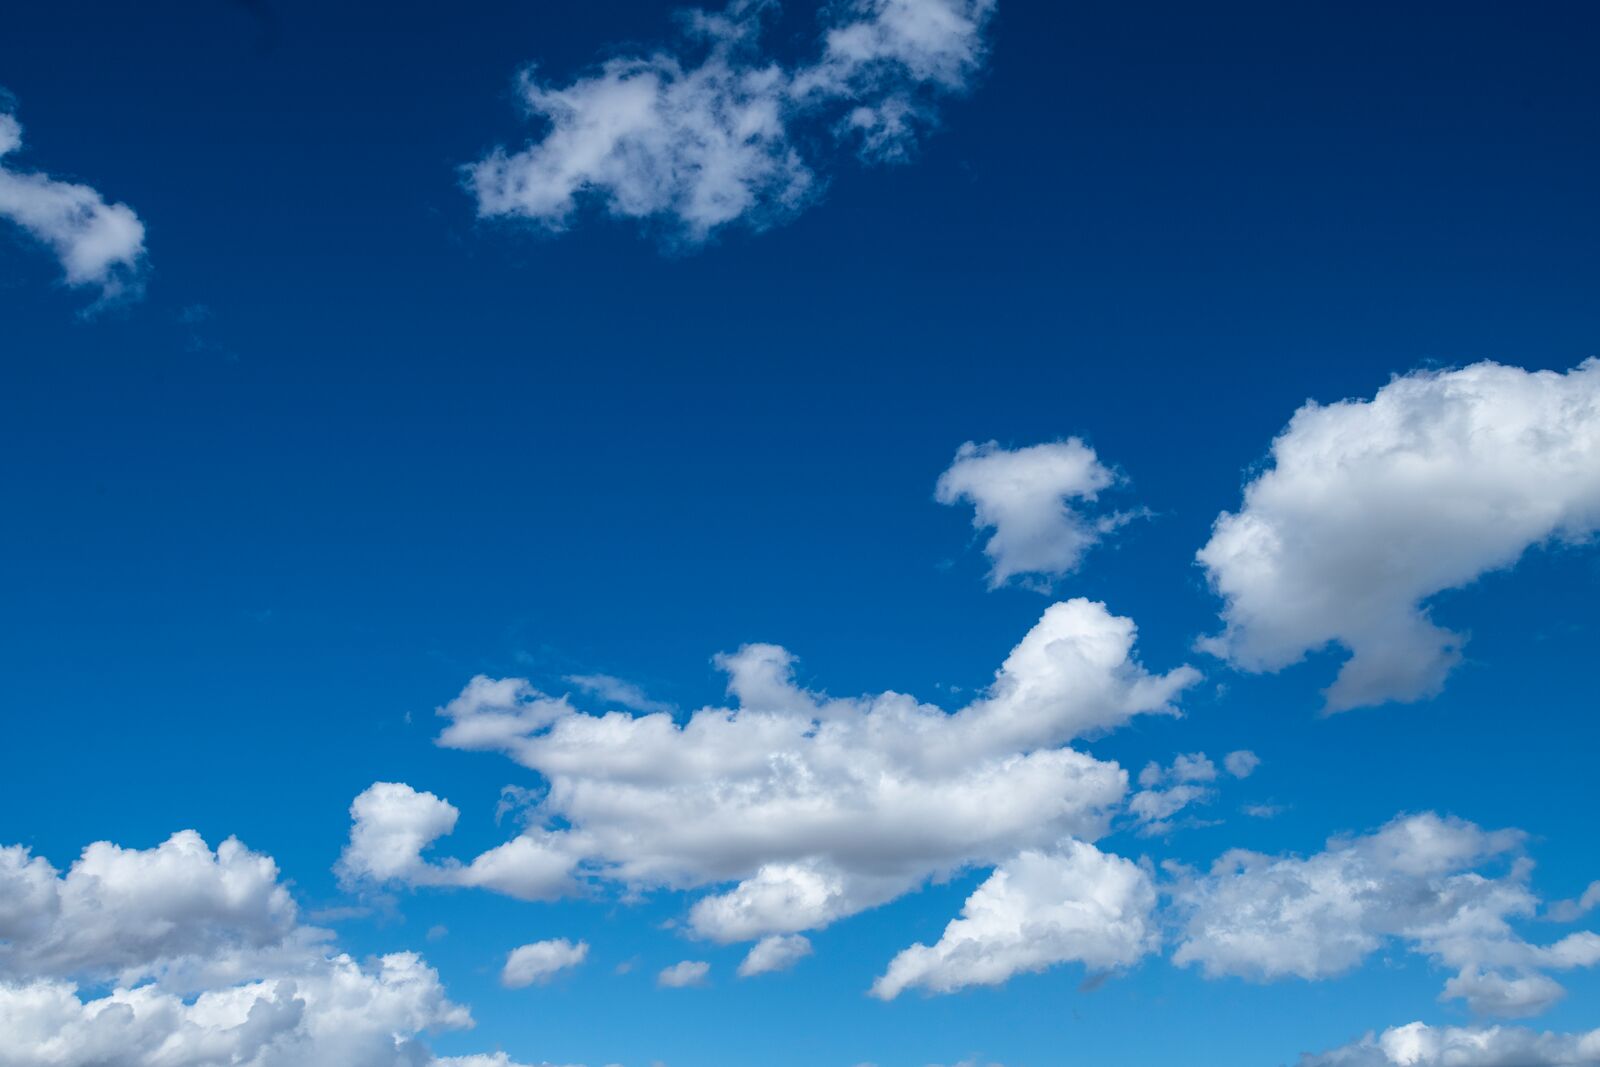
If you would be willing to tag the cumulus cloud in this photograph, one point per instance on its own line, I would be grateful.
(206, 962)
(776, 952)
(1026, 496)
(334, 1014)
(1420, 1045)
(813, 807)
(541, 961)
(714, 135)
(393, 824)
(126, 913)
(1371, 507)
(1074, 903)
(97, 243)
(1421, 881)
(684, 974)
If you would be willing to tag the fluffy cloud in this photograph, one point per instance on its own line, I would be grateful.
(209, 964)
(125, 913)
(704, 141)
(1420, 1045)
(776, 952)
(1373, 506)
(684, 974)
(1026, 497)
(97, 243)
(815, 807)
(393, 824)
(1040, 909)
(541, 961)
(331, 1015)
(1418, 881)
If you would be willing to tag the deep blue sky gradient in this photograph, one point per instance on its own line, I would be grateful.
(403, 447)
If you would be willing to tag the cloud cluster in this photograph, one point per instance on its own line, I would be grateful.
(1074, 903)
(127, 913)
(1373, 506)
(96, 243)
(815, 808)
(208, 965)
(1166, 791)
(1419, 881)
(704, 141)
(1420, 1045)
(1026, 496)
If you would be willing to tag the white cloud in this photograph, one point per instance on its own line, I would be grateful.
(1074, 903)
(815, 807)
(684, 974)
(125, 913)
(1420, 1045)
(1419, 881)
(1565, 911)
(331, 1014)
(1168, 790)
(704, 141)
(96, 243)
(541, 961)
(1026, 497)
(1241, 764)
(207, 964)
(393, 824)
(776, 952)
(1373, 506)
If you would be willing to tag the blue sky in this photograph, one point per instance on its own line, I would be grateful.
(332, 438)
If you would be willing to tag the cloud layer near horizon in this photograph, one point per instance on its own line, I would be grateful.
(209, 965)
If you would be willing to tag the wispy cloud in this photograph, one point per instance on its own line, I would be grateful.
(709, 134)
(97, 243)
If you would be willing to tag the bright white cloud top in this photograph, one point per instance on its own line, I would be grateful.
(1026, 496)
(1422, 881)
(97, 243)
(814, 808)
(702, 142)
(1040, 909)
(1373, 506)
(1420, 1045)
(209, 963)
